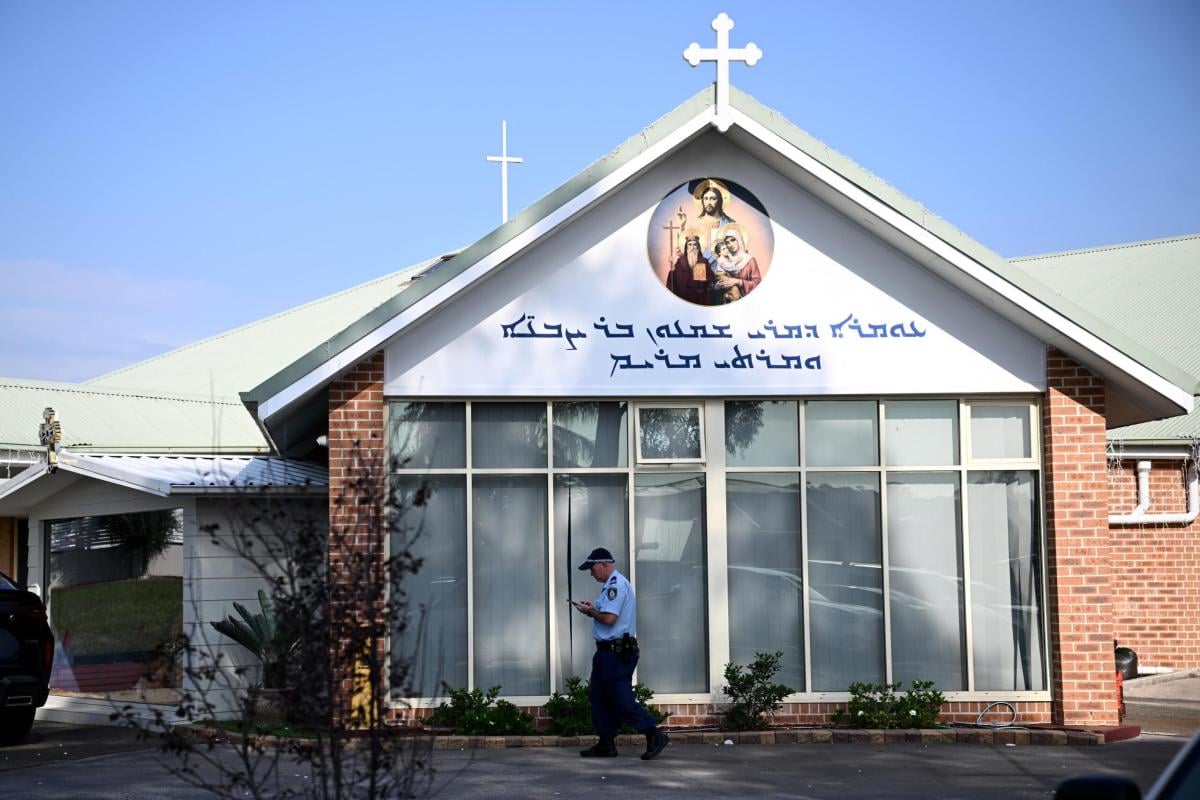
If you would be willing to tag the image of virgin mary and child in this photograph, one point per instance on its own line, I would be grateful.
(734, 270)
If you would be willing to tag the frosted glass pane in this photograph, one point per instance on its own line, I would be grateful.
(669, 433)
(766, 598)
(671, 582)
(427, 435)
(841, 433)
(433, 624)
(508, 435)
(591, 435)
(845, 580)
(1006, 582)
(1000, 432)
(921, 433)
(589, 511)
(925, 580)
(509, 566)
(762, 433)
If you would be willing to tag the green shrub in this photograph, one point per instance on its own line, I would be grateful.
(472, 713)
(753, 694)
(883, 705)
(571, 713)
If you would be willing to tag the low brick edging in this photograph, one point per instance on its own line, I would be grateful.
(1012, 736)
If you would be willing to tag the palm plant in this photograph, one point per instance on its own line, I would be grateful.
(261, 634)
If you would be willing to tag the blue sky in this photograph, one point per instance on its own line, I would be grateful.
(172, 170)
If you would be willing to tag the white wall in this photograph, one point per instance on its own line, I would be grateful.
(216, 577)
(824, 268)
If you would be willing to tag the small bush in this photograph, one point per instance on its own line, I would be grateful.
(883, 706)
(571, 713)
(472, 713)
(753, 694)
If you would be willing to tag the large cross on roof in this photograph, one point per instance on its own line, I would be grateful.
(505, 159)
(722, 54)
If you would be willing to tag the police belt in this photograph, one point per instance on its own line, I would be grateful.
(622, 645)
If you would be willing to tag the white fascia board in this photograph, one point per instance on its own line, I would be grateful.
(967, 265)
(109, 474)
(381, 335)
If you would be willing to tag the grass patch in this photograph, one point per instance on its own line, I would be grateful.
(136, 615)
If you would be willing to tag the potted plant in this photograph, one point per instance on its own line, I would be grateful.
(261, 634)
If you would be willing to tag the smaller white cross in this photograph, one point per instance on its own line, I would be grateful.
(505, 159)
(722, 54)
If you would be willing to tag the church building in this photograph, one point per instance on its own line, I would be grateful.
(805, 415)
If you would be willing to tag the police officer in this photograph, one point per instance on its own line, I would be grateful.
(614, 626)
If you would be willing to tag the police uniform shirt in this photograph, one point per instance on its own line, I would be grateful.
(616, 598)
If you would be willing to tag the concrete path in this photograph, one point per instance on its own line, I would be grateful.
(1164, 703)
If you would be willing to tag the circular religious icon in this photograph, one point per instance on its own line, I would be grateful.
(710, 242)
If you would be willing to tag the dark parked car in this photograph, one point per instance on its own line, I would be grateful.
(1179, 781)
(26, 655)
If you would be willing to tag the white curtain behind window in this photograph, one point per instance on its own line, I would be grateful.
(766, 598)
(589, 511)
(434, 635)
(509, 566)
(1006, 582)
(845, 579)
(925, 580)
(671, 582)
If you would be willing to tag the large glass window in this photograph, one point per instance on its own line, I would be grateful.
(590, 511)
(841, 433)
(509, 574)
(845, 571)
(431, 630)
(427, 436)
(508, 435)
(1000, 431)
(1006, 582)
(922, 433)
(672, 585)
(925, 586)
(590, 435)
(766, 593)
(869, 540)
(762, 433)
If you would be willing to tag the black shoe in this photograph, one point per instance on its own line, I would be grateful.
(601, 749)
(655, 742)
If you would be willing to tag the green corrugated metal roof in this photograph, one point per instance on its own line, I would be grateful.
(114, 421)
(637, 145)
(1149, 290)
(231, 362)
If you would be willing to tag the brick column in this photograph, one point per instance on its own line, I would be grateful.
(1080, 569)
(357, 494)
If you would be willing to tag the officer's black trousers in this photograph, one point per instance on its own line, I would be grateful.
(611, 694)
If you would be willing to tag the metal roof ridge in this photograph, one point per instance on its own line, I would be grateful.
(115, 391)
(414, 268)
(1106, 248)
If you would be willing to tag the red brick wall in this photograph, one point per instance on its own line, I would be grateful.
(1080, 571)
(1156, 568)
(357, 481)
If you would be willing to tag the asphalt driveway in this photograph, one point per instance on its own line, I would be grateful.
(684, 771)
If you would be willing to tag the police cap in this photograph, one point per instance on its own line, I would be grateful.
(597, 556)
